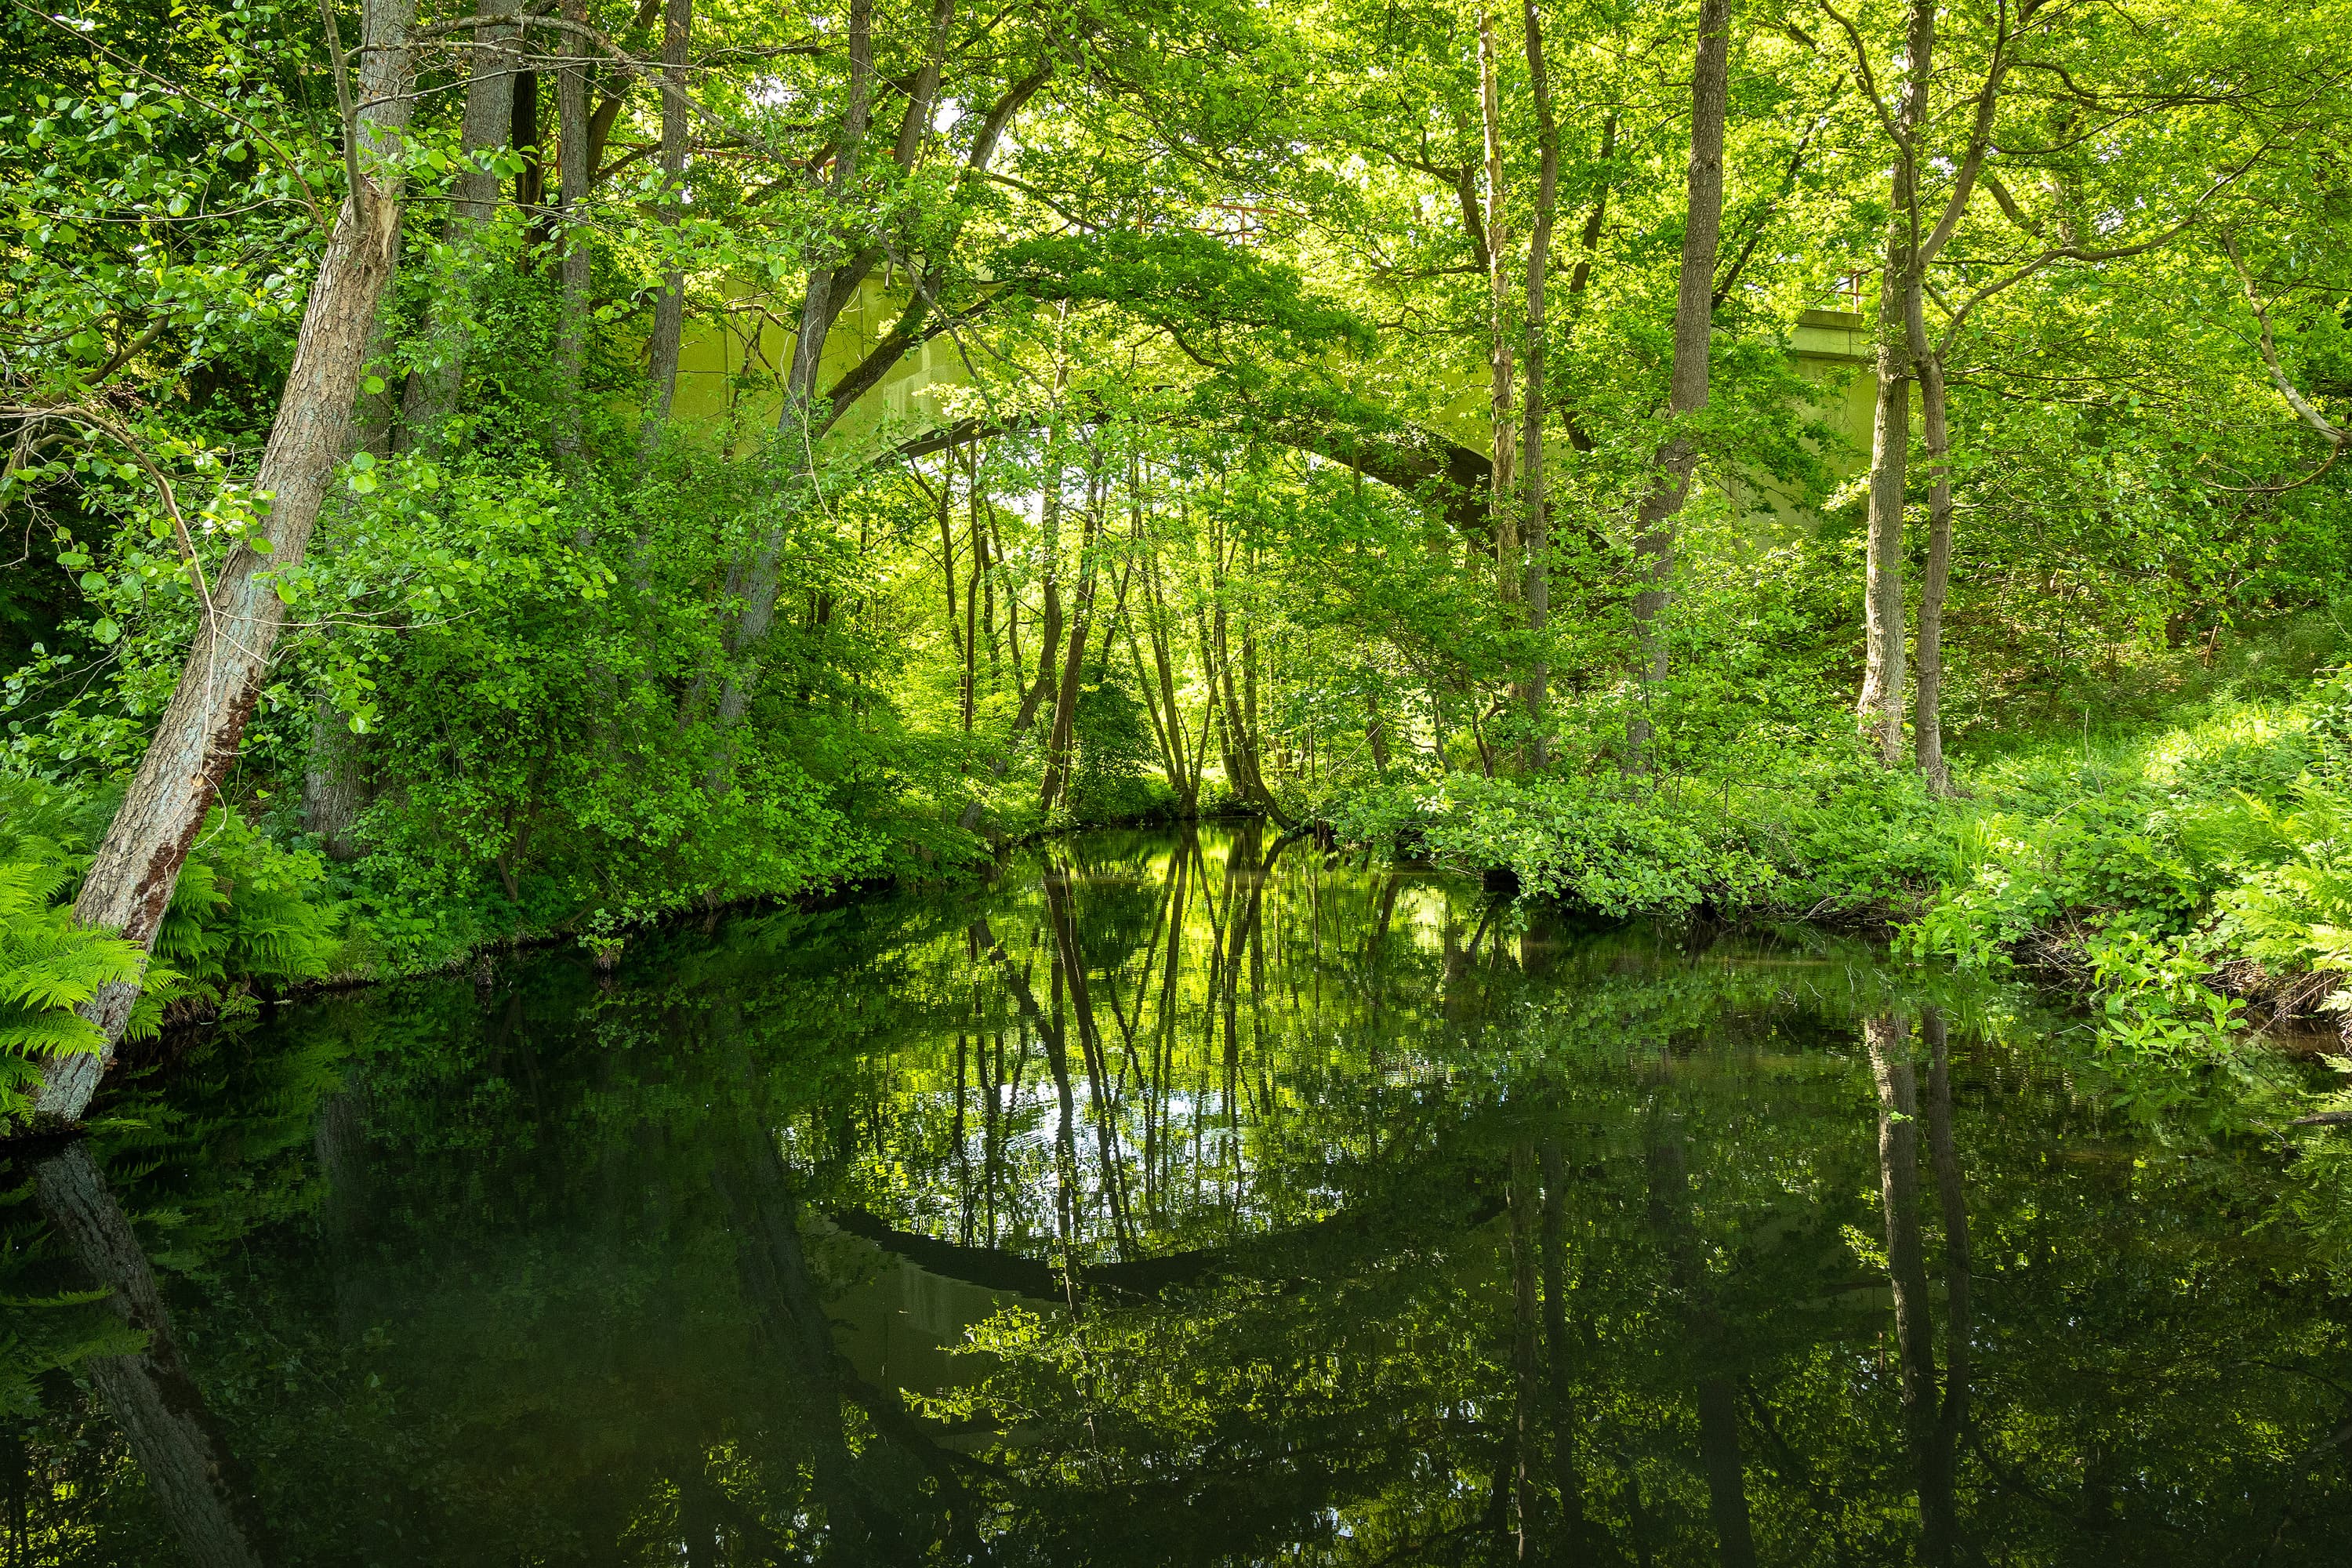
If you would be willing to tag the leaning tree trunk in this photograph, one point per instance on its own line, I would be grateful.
(1880, 709)
(131, 879)
(1686, 389)
(1538, 527)
(432, 395)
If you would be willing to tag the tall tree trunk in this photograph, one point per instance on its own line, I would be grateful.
(1240, 710)
(669, 333)
(1172, 761)
(944, 506)
(1881, 705)
(1502, 499)
(1049, 550)
(334, 782)
(986, 557)
(809, 409)
(431, 397)
(571, 320)
(1538, 526)
(1880, 709)
(1927, 719)
(796, 424)
(977, 541)
(131, 879)
(1061, 736)
(1686, 392)
(1186, 778)
(530, 180)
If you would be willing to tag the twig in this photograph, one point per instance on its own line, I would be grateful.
(293, 167)
(105, 427)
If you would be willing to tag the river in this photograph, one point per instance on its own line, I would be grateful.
(1190, 1198)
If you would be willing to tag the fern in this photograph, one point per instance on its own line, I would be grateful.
(245, 914)
(49, 967)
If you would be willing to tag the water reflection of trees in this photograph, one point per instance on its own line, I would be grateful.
(1333, 1214)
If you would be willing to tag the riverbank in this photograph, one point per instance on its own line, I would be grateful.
(2191, 879)
(2185, 878)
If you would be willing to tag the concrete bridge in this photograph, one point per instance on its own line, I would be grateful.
(734, 364)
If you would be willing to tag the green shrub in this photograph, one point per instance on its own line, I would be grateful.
(1569, 839)
(1115, 751)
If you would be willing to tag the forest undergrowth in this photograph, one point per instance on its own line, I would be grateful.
(2181, 861)
(2185, 868)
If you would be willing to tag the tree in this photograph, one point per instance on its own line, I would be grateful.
(129, 883)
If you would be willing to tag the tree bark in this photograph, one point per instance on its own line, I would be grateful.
(921, 319)
(669, 333)
(431, 397)
(984, 545)
(530, 180)
(1183, 752)
(977, 539)
(1501, 497)
(1062, 735)
(1240, 722)
(1927, 720)
(1050, 590)
(1686, 391)
(334, 782)
(131, 879)
(1538, 525)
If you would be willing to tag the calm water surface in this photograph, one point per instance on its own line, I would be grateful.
(1177, 1199)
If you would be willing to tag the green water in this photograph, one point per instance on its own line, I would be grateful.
(1175, 1199)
